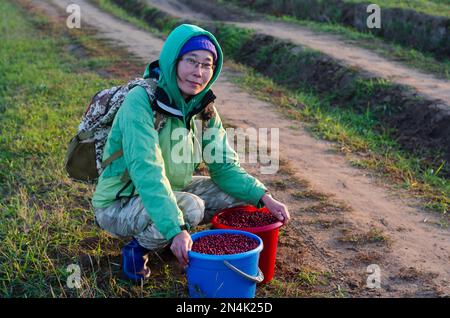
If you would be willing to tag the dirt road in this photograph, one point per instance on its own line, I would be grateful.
(339, 234)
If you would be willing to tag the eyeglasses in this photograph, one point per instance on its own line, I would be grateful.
(205, 67)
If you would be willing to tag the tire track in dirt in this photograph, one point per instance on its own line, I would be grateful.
(420, 246)
(353, 56)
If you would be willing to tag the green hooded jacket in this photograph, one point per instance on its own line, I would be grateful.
(147, 152)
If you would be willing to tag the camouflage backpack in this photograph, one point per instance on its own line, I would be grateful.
(84, 155)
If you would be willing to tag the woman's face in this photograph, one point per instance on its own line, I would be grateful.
(193, 77)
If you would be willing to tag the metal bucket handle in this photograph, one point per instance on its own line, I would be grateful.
(257, 279)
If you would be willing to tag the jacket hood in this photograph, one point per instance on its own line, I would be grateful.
(168, 62)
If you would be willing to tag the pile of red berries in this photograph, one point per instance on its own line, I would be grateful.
(243, 219)
(221, 244)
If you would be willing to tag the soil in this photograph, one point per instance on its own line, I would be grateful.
(343, 219)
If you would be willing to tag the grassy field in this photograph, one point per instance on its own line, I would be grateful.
(431, 7)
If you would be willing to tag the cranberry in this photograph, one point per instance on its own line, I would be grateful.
(243, 219)
(221, 244)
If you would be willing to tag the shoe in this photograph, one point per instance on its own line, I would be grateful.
(134, 261)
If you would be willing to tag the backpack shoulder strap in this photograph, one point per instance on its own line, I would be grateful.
(113, 157)
(150, 86)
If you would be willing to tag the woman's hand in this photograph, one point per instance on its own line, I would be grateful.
(278, 209)
(181, 244)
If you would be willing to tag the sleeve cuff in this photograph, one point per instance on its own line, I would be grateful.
(256, 195)
(172, 233)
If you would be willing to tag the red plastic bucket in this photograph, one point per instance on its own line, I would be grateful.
(268, 233)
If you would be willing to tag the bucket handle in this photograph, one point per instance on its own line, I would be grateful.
(257, 279)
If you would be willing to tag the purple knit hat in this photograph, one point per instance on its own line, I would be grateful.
(200, 42)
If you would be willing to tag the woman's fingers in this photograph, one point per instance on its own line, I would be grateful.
(279, 215)
(282, 213)
(181, 244)
(183, 258)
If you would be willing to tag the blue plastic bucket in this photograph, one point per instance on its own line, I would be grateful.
(224, 276)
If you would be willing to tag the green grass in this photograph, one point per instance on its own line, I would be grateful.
(433, 7)
(46, 221)
(374, 235)
(120, 13)
(430, 7)
(135, 9)
(410, 57)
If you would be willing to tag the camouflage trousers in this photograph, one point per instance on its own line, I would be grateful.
(199, 201)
